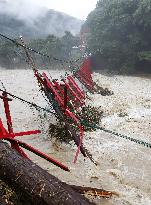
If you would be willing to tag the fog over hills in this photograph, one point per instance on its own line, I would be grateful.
(20, 19)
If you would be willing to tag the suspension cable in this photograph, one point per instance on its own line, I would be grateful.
(28, 102)
(38, 52)
(141, 142)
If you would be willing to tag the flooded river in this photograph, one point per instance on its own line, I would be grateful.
(123, 166)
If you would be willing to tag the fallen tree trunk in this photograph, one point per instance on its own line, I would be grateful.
(42, 187)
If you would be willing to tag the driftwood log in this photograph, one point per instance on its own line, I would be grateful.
(41, 187)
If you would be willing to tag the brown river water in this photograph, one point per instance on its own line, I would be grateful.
(123, 166)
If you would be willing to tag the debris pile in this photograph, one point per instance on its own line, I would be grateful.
(87, 115)
(103, 91)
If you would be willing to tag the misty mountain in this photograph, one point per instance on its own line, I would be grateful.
(50, 22)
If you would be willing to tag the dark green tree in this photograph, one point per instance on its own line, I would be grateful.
(8, 56)
(60, 48)
(68, 42)
(120, 31)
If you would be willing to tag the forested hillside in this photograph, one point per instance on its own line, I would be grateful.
(118, 33)
(13, 56)
(52, 22)
(50, 32)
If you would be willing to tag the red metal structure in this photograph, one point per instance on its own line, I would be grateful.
(9, 135)
(75, 86)
(68, 98)
(67, 111)
(84, 75)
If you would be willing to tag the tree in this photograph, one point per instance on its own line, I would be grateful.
(8, 56)
(120, 31)
(68, 42)
(55, 47)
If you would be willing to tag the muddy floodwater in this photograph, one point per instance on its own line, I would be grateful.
(123, 166)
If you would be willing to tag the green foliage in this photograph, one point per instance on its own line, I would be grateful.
(59, 132)
(90, 115)
(55, 46)
(146, 55)
(59, 47)
(68, 42)
(103, 91)
(119, 30)
(7, 54)
(45, 23)
(87, 115)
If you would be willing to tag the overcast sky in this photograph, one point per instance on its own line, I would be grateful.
(76, 8)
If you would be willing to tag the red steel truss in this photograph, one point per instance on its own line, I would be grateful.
(9, 135)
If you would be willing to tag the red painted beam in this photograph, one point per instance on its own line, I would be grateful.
(18, 134)
(40, 154)
(32, 132)
(7, 113)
